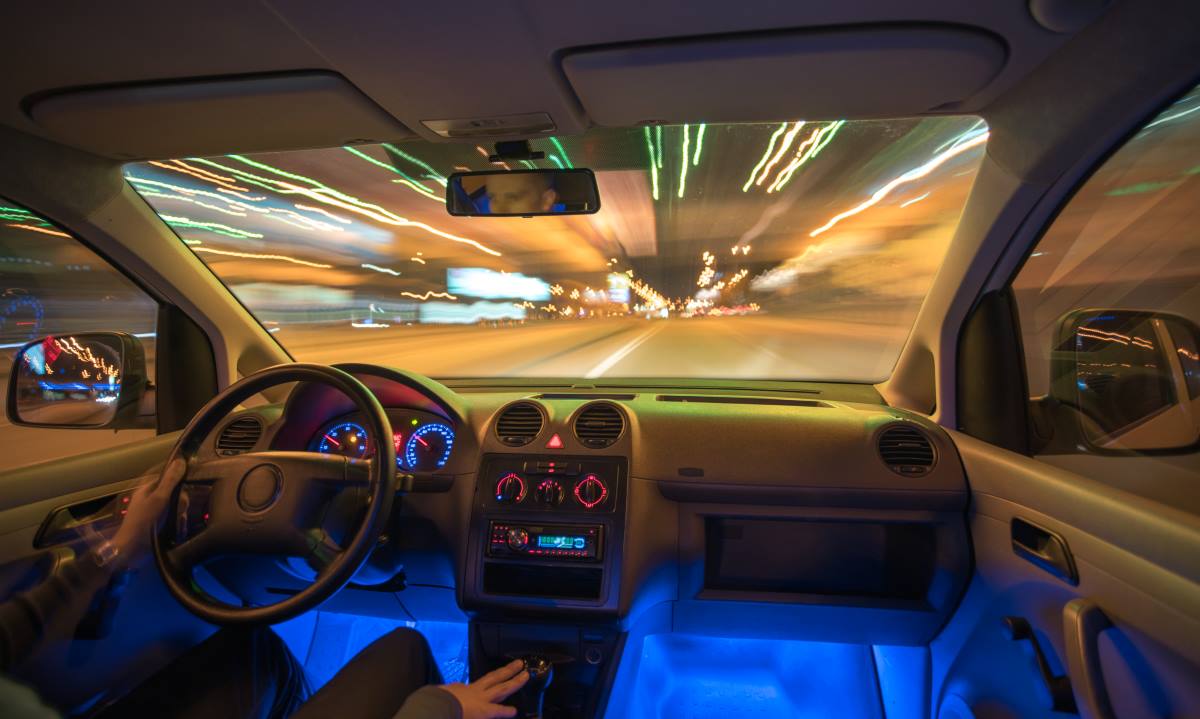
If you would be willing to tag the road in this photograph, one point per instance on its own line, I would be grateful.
(760, 347)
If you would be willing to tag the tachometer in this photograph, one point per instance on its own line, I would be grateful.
(347, 439)
(428, 447)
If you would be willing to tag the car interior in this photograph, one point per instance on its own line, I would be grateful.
(738, 359)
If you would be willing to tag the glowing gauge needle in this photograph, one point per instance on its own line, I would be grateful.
(335, 442)
(418, 438)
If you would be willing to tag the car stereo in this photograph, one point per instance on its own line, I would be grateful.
(574, 542)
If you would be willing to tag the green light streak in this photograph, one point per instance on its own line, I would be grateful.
(409, 182)
(1140, 188)
(699, 143)
(766, 156)
(653, 166)
(437, 176)
(554, 158)
(658, 143)
(561, 151)
(683, 164)
(216, 227)
(529, 164)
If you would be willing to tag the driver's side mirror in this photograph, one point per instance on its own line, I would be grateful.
(1131, 377)
(89, 380)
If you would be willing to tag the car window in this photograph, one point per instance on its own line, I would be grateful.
(1109, 299)
(50, 283)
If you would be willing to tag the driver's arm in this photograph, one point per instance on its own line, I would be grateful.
(54, 607)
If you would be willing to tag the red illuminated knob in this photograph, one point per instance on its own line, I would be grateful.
(550, 492)
(518, 538)
(510, 489)
(591, 491)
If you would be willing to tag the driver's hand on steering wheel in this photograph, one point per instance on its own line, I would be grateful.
(132, 539)
(481, 698)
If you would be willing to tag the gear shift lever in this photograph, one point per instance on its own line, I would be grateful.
(529, 698)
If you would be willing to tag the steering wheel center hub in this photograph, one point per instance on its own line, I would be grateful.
(259, 488)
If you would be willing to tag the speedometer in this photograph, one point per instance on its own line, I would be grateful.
(347, 438)
(428, 447)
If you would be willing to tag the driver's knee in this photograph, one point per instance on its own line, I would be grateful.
(405, 647)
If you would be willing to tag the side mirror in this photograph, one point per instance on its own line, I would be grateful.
(1132, 377)
(90, 380)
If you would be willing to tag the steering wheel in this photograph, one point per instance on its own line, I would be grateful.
(275, 503)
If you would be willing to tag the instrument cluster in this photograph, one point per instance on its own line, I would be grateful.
(423, 442)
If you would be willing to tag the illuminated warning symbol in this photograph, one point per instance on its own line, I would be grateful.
(555, 443)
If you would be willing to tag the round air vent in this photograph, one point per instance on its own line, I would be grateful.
(599, 425)
(906, 450)
(519, 424)
(239, 436)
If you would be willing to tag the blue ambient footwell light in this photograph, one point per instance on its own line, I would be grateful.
(691, 677)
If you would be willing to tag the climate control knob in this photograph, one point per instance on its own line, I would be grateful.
(510, 489)
(550, 492)
(517, 538)
(590, 491)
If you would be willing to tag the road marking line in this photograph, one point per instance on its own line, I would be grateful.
(620, 354)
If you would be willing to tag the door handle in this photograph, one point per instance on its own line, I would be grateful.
(1044, 548)
(1058, 687)
(1082, 623)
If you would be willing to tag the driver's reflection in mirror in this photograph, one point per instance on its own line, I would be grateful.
(520, 192)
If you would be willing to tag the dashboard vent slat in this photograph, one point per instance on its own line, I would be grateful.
(519, 424)
(239, 436)
(599, 425)
(906, 450)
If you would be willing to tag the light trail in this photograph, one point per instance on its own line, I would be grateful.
(257, 256)
(766, 155)
(683, 164)
(561, 151)
(43, 230)
(404, 179)
(427, 295)
(434, 174)
(699, 143)
(194, 172)
(216, 227)
(329, 196)
(658, 143)
(783, 148)
(910, 176)
(192, 200)
(818, 142)
(653, 166)
(914, 200)
(416, 259)
(377, 268)
(319, 211)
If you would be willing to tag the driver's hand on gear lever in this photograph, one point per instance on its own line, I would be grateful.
(481, 698)
(132, 539)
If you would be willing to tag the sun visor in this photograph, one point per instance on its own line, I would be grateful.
(819, 74)
(206, 117)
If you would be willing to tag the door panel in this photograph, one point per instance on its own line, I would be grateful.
(1137, 560)
(148, 627)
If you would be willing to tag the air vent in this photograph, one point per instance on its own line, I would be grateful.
(519, 424)
(239, 436)
(906, 450)
(599, 425)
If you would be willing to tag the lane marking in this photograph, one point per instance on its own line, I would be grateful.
(620, 354)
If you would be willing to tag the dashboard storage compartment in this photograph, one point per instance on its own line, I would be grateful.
(530, 580)
(834, 559)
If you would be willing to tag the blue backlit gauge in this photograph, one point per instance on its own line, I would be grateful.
(348, 439)
(428, 447)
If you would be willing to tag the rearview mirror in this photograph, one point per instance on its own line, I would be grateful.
(90, 380)
(522, 193)
(1133, 378)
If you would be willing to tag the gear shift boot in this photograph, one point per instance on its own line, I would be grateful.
(529, 698)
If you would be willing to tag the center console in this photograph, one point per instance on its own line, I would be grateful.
(546, 533)
(543, 569)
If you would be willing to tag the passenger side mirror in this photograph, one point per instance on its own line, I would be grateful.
(1132, 377)
(90, 380)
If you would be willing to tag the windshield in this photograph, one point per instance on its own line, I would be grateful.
(794, 250)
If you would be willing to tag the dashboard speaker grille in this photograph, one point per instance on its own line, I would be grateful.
(519, 424)
(599, 425)
(906, 450)
(239, 436)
